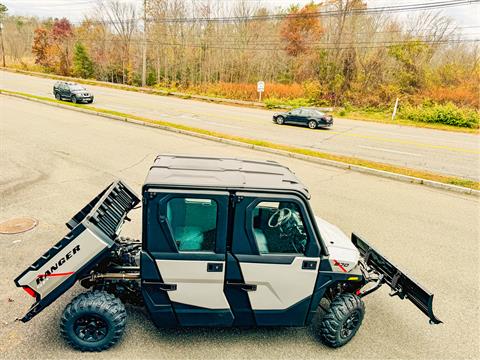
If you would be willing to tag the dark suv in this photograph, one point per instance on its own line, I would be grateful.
(74, 92)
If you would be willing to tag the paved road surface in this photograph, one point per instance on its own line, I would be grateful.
(53, 161)
(433, 150)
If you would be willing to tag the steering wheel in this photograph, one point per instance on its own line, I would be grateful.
(282, 216)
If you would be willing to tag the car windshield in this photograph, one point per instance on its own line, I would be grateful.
(76, 87)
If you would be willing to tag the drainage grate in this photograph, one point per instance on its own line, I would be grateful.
(18, 225)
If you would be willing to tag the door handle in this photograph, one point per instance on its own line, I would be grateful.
(214, 267)
(168, 287)
(243, 286)
(162, 286)
(309, 265)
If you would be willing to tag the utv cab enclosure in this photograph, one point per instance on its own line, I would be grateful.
(225, 242)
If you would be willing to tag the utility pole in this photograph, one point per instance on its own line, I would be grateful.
(144, 48)
(3, 48)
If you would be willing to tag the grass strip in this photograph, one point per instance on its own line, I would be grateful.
(452, 180)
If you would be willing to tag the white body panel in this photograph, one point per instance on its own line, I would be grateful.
(70, 259)
(279, 286)
(195, 286)
(340, 247)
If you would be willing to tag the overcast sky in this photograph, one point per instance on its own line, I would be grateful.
(467, 17)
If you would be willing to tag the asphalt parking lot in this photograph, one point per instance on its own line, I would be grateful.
(53, 161)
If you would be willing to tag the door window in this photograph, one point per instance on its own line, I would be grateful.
(193, 222)
(295, 112)
(278, 228)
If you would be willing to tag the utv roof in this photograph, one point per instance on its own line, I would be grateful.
(222, 173)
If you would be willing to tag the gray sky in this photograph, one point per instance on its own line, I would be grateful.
(467, 17)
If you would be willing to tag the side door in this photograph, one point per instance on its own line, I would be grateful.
(278, 255)
(293, 117)
(183, 259)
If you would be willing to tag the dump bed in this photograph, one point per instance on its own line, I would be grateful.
(92, 233)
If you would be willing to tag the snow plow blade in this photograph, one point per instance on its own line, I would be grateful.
(92, 234)
(402, 285)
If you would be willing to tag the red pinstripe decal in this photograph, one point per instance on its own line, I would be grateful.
(336, 263)
(56, 274)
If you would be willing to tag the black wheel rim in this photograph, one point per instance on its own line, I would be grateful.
(350, 325)
(91, 328)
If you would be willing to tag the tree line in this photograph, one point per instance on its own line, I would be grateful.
(333, 53)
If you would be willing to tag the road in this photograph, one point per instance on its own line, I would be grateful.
(425, 149)
(54, 160)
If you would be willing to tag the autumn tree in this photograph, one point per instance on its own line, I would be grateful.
(300, 31)
(61, 35)
(41, 48)
(82, 64)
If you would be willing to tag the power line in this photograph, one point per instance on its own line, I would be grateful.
(436, 5)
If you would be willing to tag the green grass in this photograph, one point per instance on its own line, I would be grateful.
(313, 153)
(386, 118)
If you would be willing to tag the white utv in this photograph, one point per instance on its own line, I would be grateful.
(225, 242)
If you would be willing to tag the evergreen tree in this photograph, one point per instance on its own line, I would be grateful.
(82, 64)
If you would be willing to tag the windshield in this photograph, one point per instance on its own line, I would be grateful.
(77, 87)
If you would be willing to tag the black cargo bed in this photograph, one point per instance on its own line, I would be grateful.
(92, 234)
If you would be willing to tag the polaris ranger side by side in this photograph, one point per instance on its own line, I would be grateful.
(225, 242)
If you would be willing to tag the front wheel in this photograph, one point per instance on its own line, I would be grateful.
(93, 321)
(74, 99)
(280, 120)
(57, 96)
(342, 320)
(312, 124)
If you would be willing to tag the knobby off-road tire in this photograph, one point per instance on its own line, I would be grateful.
(93, 321)
(342, 320)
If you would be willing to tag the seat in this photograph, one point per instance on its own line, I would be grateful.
(188, 238)
(261, 240)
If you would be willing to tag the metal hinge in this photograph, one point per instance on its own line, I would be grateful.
(234, 199)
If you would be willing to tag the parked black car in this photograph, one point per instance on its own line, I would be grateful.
(312, 118)
(74, 92)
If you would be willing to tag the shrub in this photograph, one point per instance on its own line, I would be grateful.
(447, 114)
(295, 103)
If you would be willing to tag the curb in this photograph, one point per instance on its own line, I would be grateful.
(337, 164)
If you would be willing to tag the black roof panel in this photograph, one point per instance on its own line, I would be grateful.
(222, 173)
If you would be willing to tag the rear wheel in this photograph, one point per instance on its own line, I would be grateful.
(312, 124)
(93, 321)
(342, 320)
(280, 120)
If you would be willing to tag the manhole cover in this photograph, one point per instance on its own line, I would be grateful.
(17, 225)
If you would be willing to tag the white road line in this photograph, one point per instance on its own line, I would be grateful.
(388, 150)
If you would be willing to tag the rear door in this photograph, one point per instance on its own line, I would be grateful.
(278, 256)
(186, 239)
